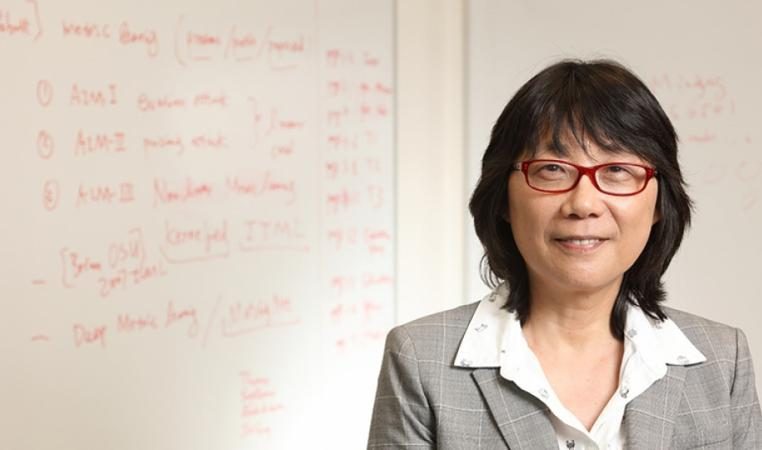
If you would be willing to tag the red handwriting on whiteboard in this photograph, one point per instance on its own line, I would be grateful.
(208, 99)
(273, 234)
(171, 144)
(695, 97)
(186, 318)
(342, 283)
(146, 103)
(241, 45)
(124, 265)
(201, 45)
(337, 117)
(285, 51)
(176, 145)
(352, 167)
(147, 38)
(209, 141)
(242, 318)
(100, 194)
(345, 199)
(167, 192)
(100, 96)
(365, 311)
(370, 88)
(273, 128)
(89, 143)
(259, 401)
(340, 141)
(373, 111)
(84, 335)
(86, 29)
(45, 144)
(370, 60)
(371, 280)
(128, 263)
(179, 316)
(263, 184)
(337, 57)
(45, 92)
(194, 242)
(193, 44)
(125, 34)
(129, 277)
(342, 237)
(75, 265)
(127, 323)
(359, 340)
(377, 240)
(127, 252)
(282, 150)
(16, 23)
(336, 88)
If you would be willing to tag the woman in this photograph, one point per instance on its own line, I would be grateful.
(580, 207)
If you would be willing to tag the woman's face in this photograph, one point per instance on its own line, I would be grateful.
(582, 240)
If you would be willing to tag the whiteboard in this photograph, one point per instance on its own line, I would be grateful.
(198, 237)
(700, 60)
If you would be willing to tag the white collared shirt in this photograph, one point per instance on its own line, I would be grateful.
(494, 338)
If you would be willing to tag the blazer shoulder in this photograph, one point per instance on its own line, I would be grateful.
(714, 339)
(434, 336)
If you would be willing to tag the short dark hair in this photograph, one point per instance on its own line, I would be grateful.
(599, 101)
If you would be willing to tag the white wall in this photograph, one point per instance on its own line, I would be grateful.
(430, 156)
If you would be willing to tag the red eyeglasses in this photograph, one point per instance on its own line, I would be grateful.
(556, 176)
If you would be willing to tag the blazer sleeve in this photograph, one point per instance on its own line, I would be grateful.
(744, 402)
(402, 416)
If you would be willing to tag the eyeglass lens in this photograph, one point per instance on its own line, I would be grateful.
(618, 178)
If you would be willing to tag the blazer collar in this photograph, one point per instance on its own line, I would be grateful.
(492, 333)
(524, 421)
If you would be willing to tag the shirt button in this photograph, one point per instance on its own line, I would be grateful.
(624, 391)
(544, 393)
(682, 359)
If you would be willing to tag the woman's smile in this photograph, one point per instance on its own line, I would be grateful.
(575, 245)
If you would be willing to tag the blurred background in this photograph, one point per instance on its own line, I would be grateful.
(216, 212)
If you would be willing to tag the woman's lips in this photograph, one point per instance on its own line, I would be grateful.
(581, 244)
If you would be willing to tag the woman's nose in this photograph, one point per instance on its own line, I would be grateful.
(585, 200)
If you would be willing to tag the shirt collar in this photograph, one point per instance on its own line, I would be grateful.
(495, 333)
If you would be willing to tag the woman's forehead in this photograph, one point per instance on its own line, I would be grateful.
(579, 147)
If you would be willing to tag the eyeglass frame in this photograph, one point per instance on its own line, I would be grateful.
(523, 166)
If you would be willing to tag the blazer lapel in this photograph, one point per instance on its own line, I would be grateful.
(522, 419)
(649, 419)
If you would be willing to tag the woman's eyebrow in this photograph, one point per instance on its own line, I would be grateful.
(551, 148)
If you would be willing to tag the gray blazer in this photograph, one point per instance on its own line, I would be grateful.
(424, 401)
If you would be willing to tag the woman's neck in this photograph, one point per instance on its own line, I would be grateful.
(570, 320)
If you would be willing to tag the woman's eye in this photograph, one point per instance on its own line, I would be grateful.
(552, 168)
(617, 170)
